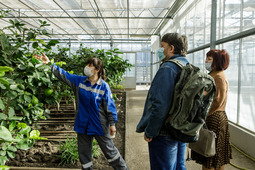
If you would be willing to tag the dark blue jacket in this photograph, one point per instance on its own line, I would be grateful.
(159, 98)
(95, 106)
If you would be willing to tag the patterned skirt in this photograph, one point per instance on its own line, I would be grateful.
(217, 122)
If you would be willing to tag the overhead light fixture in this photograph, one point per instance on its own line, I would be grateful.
(140, 35)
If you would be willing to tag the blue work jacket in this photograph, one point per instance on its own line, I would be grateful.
(95, 108)
(159, 99)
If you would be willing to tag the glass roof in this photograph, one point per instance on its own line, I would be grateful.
(93, 19)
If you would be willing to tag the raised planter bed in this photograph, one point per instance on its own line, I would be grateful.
(57, 128)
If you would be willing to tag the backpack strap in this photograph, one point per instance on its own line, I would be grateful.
(179, 63)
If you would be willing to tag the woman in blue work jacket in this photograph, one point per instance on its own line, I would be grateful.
(96, 113)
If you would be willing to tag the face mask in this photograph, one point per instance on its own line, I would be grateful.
(208, 66)
(87, 71)
(160, 53)
(167, 54)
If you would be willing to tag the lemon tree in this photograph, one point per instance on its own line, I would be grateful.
(21, 79)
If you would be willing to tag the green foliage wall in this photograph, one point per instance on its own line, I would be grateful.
(27, 86)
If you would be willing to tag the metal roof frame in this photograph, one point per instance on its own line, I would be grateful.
(140, 22)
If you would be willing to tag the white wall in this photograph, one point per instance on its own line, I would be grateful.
(155, 43)
(242, 139)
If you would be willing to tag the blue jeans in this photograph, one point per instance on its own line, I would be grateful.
(167, 154)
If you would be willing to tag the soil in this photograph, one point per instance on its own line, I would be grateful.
(47, 154)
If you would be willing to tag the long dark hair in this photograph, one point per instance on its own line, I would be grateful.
(98, 64)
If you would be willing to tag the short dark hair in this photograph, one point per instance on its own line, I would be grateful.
(220, 59)
(179, 42)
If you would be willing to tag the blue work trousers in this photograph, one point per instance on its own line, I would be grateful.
(167, 154)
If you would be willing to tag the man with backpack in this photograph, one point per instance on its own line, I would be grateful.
(176, 106)
(165, 151)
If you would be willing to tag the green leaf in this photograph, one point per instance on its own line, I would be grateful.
(60, 63)
(109, 53)
(4, 123)
(4, 41)
(2, 73)
(5, 83)
(5, 134)
(12, 94)
(21, 99)
(34, 60)
(4, 147)
(47, 111)
(3, 116)
(12, 125)
(25, 130)
(13, 87)
(15, 118)
(36, 75)
(3, 153)
(117, 52)
(22, 67)
(5, 68)
(11, 154)
(18, 137)
(52, 42)
(27, 98)
(34, 134)
(52, 61)
(2, 86)
(20, 106)
(21, 86)
(3, 167)
(12, 148)
(26, 112)
(3, 159)
(31, 64)
(39, 138)
(39, 65)
(1, 105)
(41, 41)
(11, 112)
(30, 35)
(44, 32)
(22, 125)
(22, 62)
(45, 80)
(25, 144)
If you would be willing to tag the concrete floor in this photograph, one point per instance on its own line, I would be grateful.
(136, 154)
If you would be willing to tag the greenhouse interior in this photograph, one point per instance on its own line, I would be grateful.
(38, 112)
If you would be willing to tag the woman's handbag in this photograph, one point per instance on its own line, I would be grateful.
(205, 145)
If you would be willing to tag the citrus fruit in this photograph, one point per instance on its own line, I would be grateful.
(34, 100)
(48, 91)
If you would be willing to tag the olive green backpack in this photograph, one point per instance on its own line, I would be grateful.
(190, 105)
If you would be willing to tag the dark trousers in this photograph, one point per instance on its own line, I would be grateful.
(85, 144)
(167, 154)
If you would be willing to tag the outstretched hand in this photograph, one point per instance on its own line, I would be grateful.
(42, 57)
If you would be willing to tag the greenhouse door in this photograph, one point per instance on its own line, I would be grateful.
(130, 76)
(143, 68)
